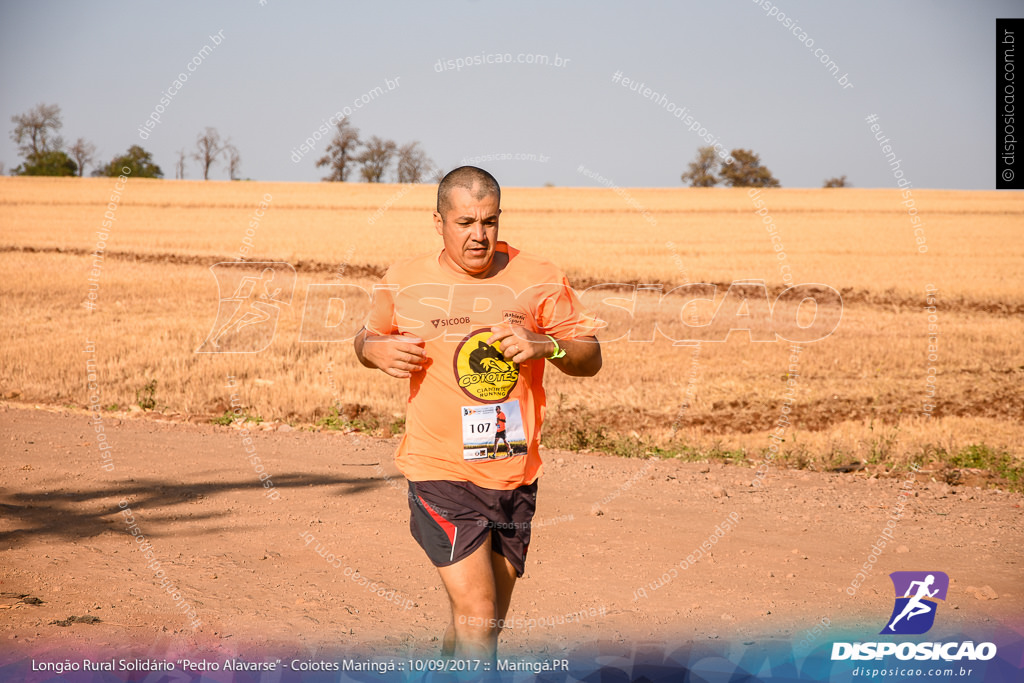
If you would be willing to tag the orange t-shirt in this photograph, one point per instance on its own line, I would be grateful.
(451, 421)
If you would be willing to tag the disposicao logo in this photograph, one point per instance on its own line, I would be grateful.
(913, 613)
(917, 596)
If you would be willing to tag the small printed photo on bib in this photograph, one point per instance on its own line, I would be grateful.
(493, 432)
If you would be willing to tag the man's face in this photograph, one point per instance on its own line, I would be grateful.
(469, 230)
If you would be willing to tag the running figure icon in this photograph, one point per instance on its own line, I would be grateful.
(916, 605)
(253, 295)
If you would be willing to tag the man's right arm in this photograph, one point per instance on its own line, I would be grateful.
(396, 354)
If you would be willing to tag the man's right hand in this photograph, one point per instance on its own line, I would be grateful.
(399, 355)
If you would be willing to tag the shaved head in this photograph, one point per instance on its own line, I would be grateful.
(475, 180)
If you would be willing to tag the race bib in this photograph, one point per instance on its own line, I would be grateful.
(493, 432)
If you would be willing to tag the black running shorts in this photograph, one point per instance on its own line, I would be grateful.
(451, 519)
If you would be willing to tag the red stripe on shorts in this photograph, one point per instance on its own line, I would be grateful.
(448, 528)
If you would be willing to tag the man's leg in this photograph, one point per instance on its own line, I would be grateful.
(472, 593)
(504, 583)
(480, 591)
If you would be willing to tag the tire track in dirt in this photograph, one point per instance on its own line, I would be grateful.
(887, 299)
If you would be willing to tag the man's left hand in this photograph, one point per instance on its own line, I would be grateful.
(519, 344)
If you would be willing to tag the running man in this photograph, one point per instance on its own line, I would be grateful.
(470, 325)
(915, 605)
(499, 434)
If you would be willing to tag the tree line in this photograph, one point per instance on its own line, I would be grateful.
(44, 153)
(37, 134)
(746, 170)
(375, 158)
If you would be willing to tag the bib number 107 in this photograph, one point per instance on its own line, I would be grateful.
(479, 428)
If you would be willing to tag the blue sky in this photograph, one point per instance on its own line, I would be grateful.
(926, 69)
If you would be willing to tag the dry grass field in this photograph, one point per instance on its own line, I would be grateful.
(859, 392)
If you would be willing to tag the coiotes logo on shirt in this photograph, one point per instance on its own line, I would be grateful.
(481, 371)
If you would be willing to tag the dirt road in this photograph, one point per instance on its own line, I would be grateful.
(617, 547)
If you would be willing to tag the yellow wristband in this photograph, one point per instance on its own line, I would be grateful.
(559, 352)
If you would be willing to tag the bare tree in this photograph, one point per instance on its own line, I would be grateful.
(234, 160)
(208, 148)
(341, 153)
(413, 164)
(36, 131)
(83, 153)
(179, 167)
(701, 171)
(376, 159)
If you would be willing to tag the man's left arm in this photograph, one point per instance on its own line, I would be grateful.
(582, 355)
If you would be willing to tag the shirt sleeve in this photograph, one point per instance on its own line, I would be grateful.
(562, 315)
(382, 319)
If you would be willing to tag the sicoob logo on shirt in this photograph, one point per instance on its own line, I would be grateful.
(481, 371)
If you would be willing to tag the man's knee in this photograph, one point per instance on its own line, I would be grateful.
(480, 625)
(479, 614)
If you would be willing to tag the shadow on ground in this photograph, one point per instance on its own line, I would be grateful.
(68, 515)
